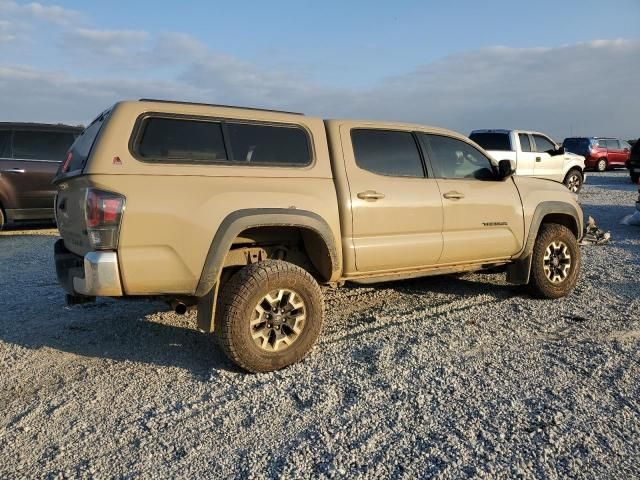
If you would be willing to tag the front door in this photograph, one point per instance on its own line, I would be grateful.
(549, 161)
(396, 209)
(483, 217)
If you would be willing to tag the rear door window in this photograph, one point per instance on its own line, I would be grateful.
(5, 143)
(492, 140)
(41, 145)
(612, 144)
(387, 152)
(525, 143)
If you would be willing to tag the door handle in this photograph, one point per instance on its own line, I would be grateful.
(370, 195)
(14, 170)
(453, 195)
(538, 159)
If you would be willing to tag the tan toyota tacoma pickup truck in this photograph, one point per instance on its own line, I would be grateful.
(243, 213)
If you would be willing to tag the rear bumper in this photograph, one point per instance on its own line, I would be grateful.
(96, 274)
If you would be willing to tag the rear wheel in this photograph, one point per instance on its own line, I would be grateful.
(574, 180)
(556, 262)
(270, 315)
(601, 166)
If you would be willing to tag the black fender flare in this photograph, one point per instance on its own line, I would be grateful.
(240, 220)
(518, 272)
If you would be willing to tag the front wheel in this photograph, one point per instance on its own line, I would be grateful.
(270, 315)
(556, 262)
(574, 180)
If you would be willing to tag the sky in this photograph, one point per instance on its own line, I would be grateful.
(560, 67)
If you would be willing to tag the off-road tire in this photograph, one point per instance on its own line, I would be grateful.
(635, 177)
(539, 284)
(602, 165)
(237, 303)
(574, 180)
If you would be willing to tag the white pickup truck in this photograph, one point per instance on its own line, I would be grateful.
(534, 154)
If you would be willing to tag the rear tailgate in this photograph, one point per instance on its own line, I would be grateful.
(72, 188)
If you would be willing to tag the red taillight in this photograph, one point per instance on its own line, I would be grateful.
(103, 212)
(111, 210)
(103, 208)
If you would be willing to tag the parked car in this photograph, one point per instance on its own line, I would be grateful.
(243, 212)
(600, 153)
(634, 163)
(534, 154)
(29, 157)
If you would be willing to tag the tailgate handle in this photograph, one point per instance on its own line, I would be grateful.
(370, 195)
(453, 195)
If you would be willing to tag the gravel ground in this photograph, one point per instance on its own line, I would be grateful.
(450, 376)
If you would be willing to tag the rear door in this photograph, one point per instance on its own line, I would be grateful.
(483, 217)
(615, 154)
(37, 155)
(526, 155)
(548, 161)
(396, 207)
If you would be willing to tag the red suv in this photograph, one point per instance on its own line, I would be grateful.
(599, 153)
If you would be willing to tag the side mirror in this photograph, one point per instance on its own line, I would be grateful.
(505, 169)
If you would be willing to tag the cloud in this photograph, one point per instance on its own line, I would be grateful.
(47, 13)
(104, 45)
(7, 34)
(586, 88)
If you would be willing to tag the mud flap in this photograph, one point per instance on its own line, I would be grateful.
(207, 310)
(518, 272)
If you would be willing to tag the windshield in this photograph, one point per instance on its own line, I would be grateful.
(492, 140)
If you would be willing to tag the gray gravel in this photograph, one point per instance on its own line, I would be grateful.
(451, 376)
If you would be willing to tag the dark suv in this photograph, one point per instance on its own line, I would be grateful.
(599, 153)
(30, 154)
(634, 162)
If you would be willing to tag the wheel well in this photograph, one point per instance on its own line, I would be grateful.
(576, 168)
(562, 219)
(301, 246)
